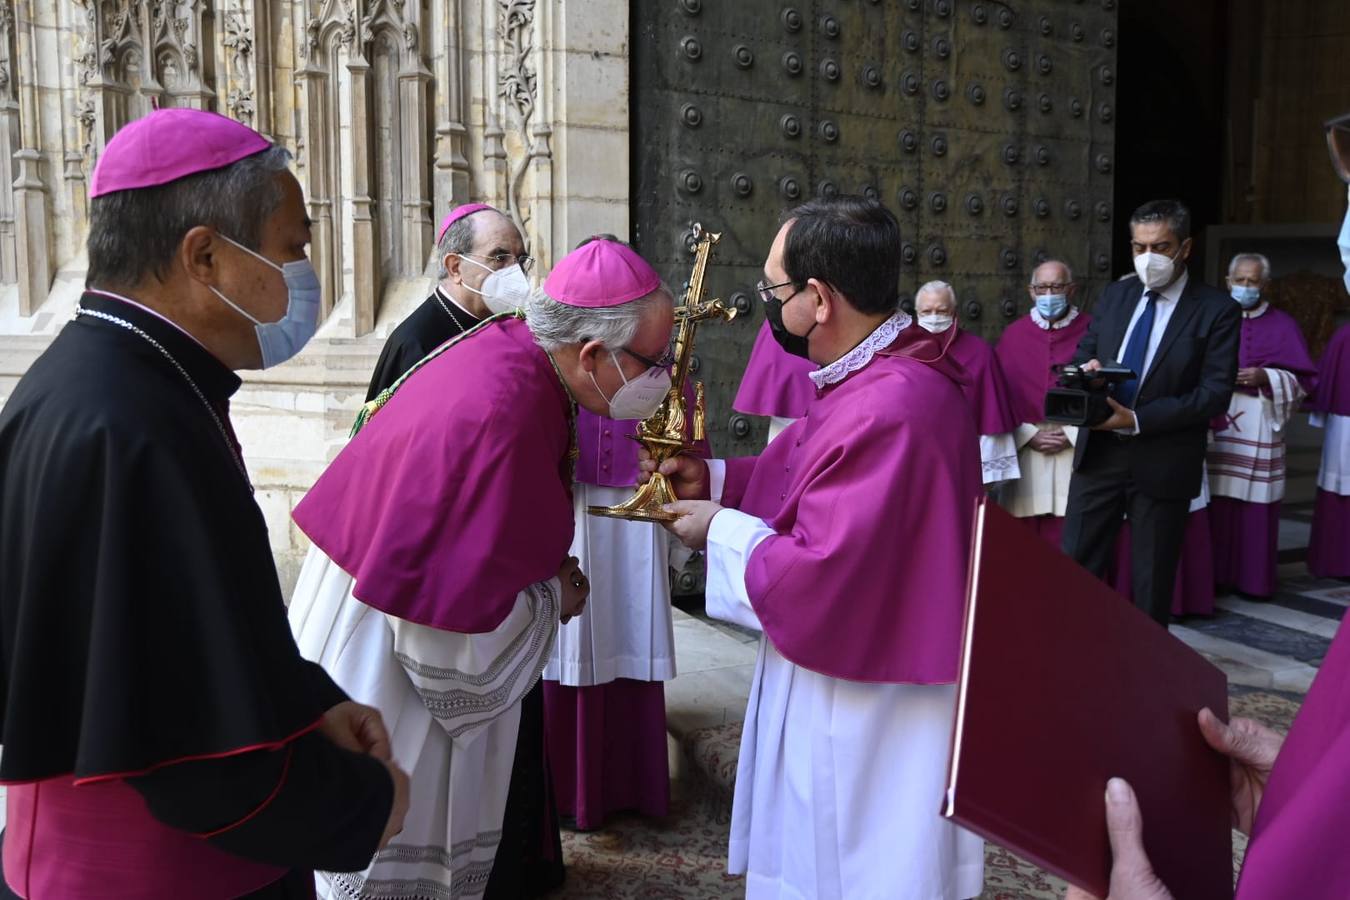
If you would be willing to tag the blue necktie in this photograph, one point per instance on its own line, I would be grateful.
(1136, 350)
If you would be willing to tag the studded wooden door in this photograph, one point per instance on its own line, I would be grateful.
(987, 127)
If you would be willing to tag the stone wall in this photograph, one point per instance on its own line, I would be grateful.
(394, 111)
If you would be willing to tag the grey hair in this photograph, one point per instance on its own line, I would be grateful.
(933, 287)
(136, 233)
(458, 238)
(555, 325)
(1068, 269)
(1250, 257)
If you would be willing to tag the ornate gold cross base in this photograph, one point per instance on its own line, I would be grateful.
(646, 505)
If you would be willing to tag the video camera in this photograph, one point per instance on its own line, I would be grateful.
(1080, 395)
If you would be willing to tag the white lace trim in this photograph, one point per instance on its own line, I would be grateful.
(861, 355)
(1045, 325)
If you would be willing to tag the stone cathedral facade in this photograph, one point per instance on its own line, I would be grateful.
(394, 111)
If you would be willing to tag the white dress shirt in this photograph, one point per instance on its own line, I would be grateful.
(1164, 306)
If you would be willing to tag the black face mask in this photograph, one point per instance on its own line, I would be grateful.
(796, 344)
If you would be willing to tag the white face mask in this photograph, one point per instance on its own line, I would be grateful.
(504, 290)
(1155, 270)
(282, 339)
(639, 398)
(935, 322)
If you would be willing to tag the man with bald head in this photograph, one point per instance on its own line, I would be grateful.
(985, 390)
(483, 270)
(1027, 353)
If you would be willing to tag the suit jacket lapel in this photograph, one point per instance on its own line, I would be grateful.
(1187, 306)
(1113, 334)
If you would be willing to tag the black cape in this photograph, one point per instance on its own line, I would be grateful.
(424, 330)
(141, 620)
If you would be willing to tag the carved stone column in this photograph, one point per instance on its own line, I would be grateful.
(32, 232)
(365, 266)
(414, 85)
(77, 188)
(32, 227)
(452, 136)
(517, 86)
(314, 86)
(9, 143)
(240, 72)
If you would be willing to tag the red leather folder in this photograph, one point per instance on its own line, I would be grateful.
(1063, 685)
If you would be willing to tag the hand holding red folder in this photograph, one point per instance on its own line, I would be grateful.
(1251, 748)
(1132, 875)
(1065, 685)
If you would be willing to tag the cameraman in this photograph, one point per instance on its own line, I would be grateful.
(1144, 462)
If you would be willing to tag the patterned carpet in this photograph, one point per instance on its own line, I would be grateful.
(684, 855)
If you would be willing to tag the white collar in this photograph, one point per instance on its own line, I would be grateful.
(1045, 325)
(1256, 311)
(855, 359)
(143, 308)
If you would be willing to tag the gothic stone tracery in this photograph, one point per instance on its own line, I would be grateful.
(372, 97)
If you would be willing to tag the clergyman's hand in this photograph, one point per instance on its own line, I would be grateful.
(1132, 876)
(1255, 376)
(1251, 749)
(1121, 417)
(358, 728)
(688, 474)
(399, 809)
(576, 588)
(1049, 441)
(695, 518)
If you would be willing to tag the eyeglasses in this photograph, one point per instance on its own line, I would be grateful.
(766, 291)
(1338, 145)
(665, 362)
(1048, 288)
(502, 260)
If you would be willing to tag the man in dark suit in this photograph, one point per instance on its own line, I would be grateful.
(1144, 462)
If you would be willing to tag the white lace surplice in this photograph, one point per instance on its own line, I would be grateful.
(1334, 474)
(451, 703)
(1246, 460)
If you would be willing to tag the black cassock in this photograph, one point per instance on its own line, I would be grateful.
(141, 619)
(434, 322)
(529, 857)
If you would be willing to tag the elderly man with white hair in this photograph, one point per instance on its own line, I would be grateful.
(1246, 456)
(1027, 352)
(986, 390)
(440, 565)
